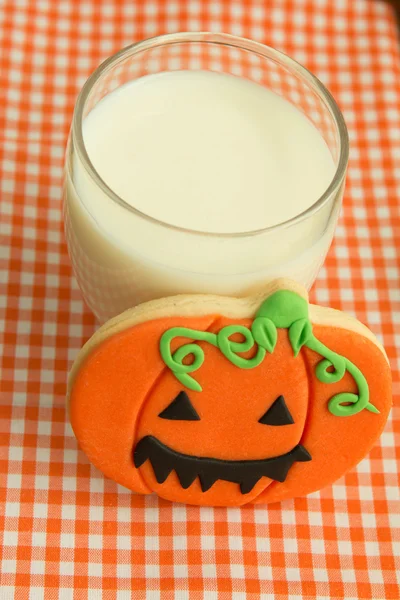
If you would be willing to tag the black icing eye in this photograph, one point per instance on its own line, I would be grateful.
(277, 414)
(180, 409)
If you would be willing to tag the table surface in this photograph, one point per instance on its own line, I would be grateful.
(65, 531)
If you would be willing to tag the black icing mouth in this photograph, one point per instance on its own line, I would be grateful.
(246, 473)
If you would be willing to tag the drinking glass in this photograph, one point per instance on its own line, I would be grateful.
(146, 258)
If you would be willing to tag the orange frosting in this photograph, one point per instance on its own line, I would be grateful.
(123, 386)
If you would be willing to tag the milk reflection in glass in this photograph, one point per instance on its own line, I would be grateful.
(200, 151)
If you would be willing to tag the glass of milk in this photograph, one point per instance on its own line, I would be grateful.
(200, 163)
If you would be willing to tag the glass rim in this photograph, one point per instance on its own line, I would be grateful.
(241, 43)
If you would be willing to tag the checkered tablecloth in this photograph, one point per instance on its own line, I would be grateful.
(65, 531)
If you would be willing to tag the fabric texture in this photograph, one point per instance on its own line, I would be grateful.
(67, 532)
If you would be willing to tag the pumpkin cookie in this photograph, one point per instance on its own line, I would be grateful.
(221, 401)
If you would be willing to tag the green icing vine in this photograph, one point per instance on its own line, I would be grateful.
(283, 309)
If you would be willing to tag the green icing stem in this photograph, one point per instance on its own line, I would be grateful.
(283, 309)
(221, 340)
(344, 404)
(175, 361)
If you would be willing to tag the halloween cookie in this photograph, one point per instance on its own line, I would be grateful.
(221, 401)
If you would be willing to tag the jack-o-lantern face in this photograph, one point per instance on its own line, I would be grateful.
(232, 426)
(233, 438)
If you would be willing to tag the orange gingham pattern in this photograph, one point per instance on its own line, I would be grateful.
(65, 531)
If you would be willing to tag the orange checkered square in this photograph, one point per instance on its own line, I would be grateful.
(65, 531)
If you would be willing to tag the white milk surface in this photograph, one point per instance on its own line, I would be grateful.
(207, 152)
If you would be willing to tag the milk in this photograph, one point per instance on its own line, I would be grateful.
(201, 151)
